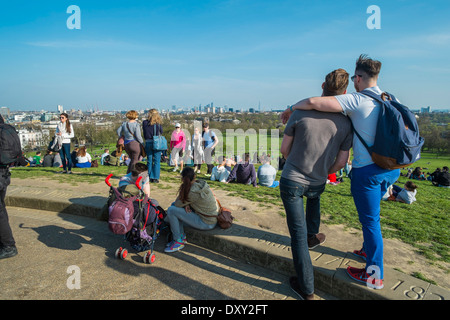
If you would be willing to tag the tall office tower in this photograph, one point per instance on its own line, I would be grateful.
(60, 108)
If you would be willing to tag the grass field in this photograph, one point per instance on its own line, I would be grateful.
(425, 224)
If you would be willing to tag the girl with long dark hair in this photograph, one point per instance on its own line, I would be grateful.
(196, 206)
(64, 131)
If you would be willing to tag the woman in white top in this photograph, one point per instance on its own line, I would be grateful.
(197, 149)
(64, 132)
(83, 158)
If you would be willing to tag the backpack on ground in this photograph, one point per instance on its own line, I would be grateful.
(112, 161)
(121, 212)
(397, 140)
(10, 148)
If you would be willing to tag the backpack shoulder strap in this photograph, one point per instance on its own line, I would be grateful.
(362, 140)
(378, 98)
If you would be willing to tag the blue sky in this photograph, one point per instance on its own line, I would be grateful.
(137, 54)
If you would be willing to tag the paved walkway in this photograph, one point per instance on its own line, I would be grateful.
(237, 245)
(53, 246)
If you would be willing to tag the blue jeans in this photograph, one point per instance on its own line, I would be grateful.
(153, 160)
(177, 217)
(65, 155)
(368, 186)
(83, 165)
(300, 227)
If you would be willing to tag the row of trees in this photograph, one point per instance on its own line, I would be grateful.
(434, 127)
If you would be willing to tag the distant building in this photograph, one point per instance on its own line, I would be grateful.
(46, 117)
(4, 111)
(425, 110)
(33, 139)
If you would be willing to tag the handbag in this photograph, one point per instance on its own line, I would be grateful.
(225, 218)
(55, 145)
(159, 142)
(141, 146)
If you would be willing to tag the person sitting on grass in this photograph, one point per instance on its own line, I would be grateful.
(406, 195)
(442, 179)
(243, 173)
(104, 155)
(83, 158)
(195, 206)
(417, 174)
(37, 161)
(220, 172)
(48, 159)
(267, 174)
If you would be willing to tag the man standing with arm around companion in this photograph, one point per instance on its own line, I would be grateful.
(369, 181)
(314, 144)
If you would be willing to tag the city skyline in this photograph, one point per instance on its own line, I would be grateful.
(237, 53)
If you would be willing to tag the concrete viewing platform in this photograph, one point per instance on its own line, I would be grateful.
(247, 243)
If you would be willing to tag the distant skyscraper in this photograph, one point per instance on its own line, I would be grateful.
(60, 108)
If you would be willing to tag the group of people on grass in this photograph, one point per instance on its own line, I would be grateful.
(439, 177)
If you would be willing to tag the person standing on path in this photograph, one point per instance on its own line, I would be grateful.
(64, 132)
(131, 131)
(369, 182)
(152, 127)
(314, 144)
(8, 247)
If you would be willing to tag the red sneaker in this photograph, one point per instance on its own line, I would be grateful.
(361, 275)
(360, 253)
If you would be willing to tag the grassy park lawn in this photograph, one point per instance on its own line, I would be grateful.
(425, 224)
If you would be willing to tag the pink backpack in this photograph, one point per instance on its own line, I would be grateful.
(121, 213)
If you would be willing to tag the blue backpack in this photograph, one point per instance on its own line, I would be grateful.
(397, 140)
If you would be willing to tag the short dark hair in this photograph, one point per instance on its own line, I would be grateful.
(368, 66)
(336, 83)
(138, 168)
